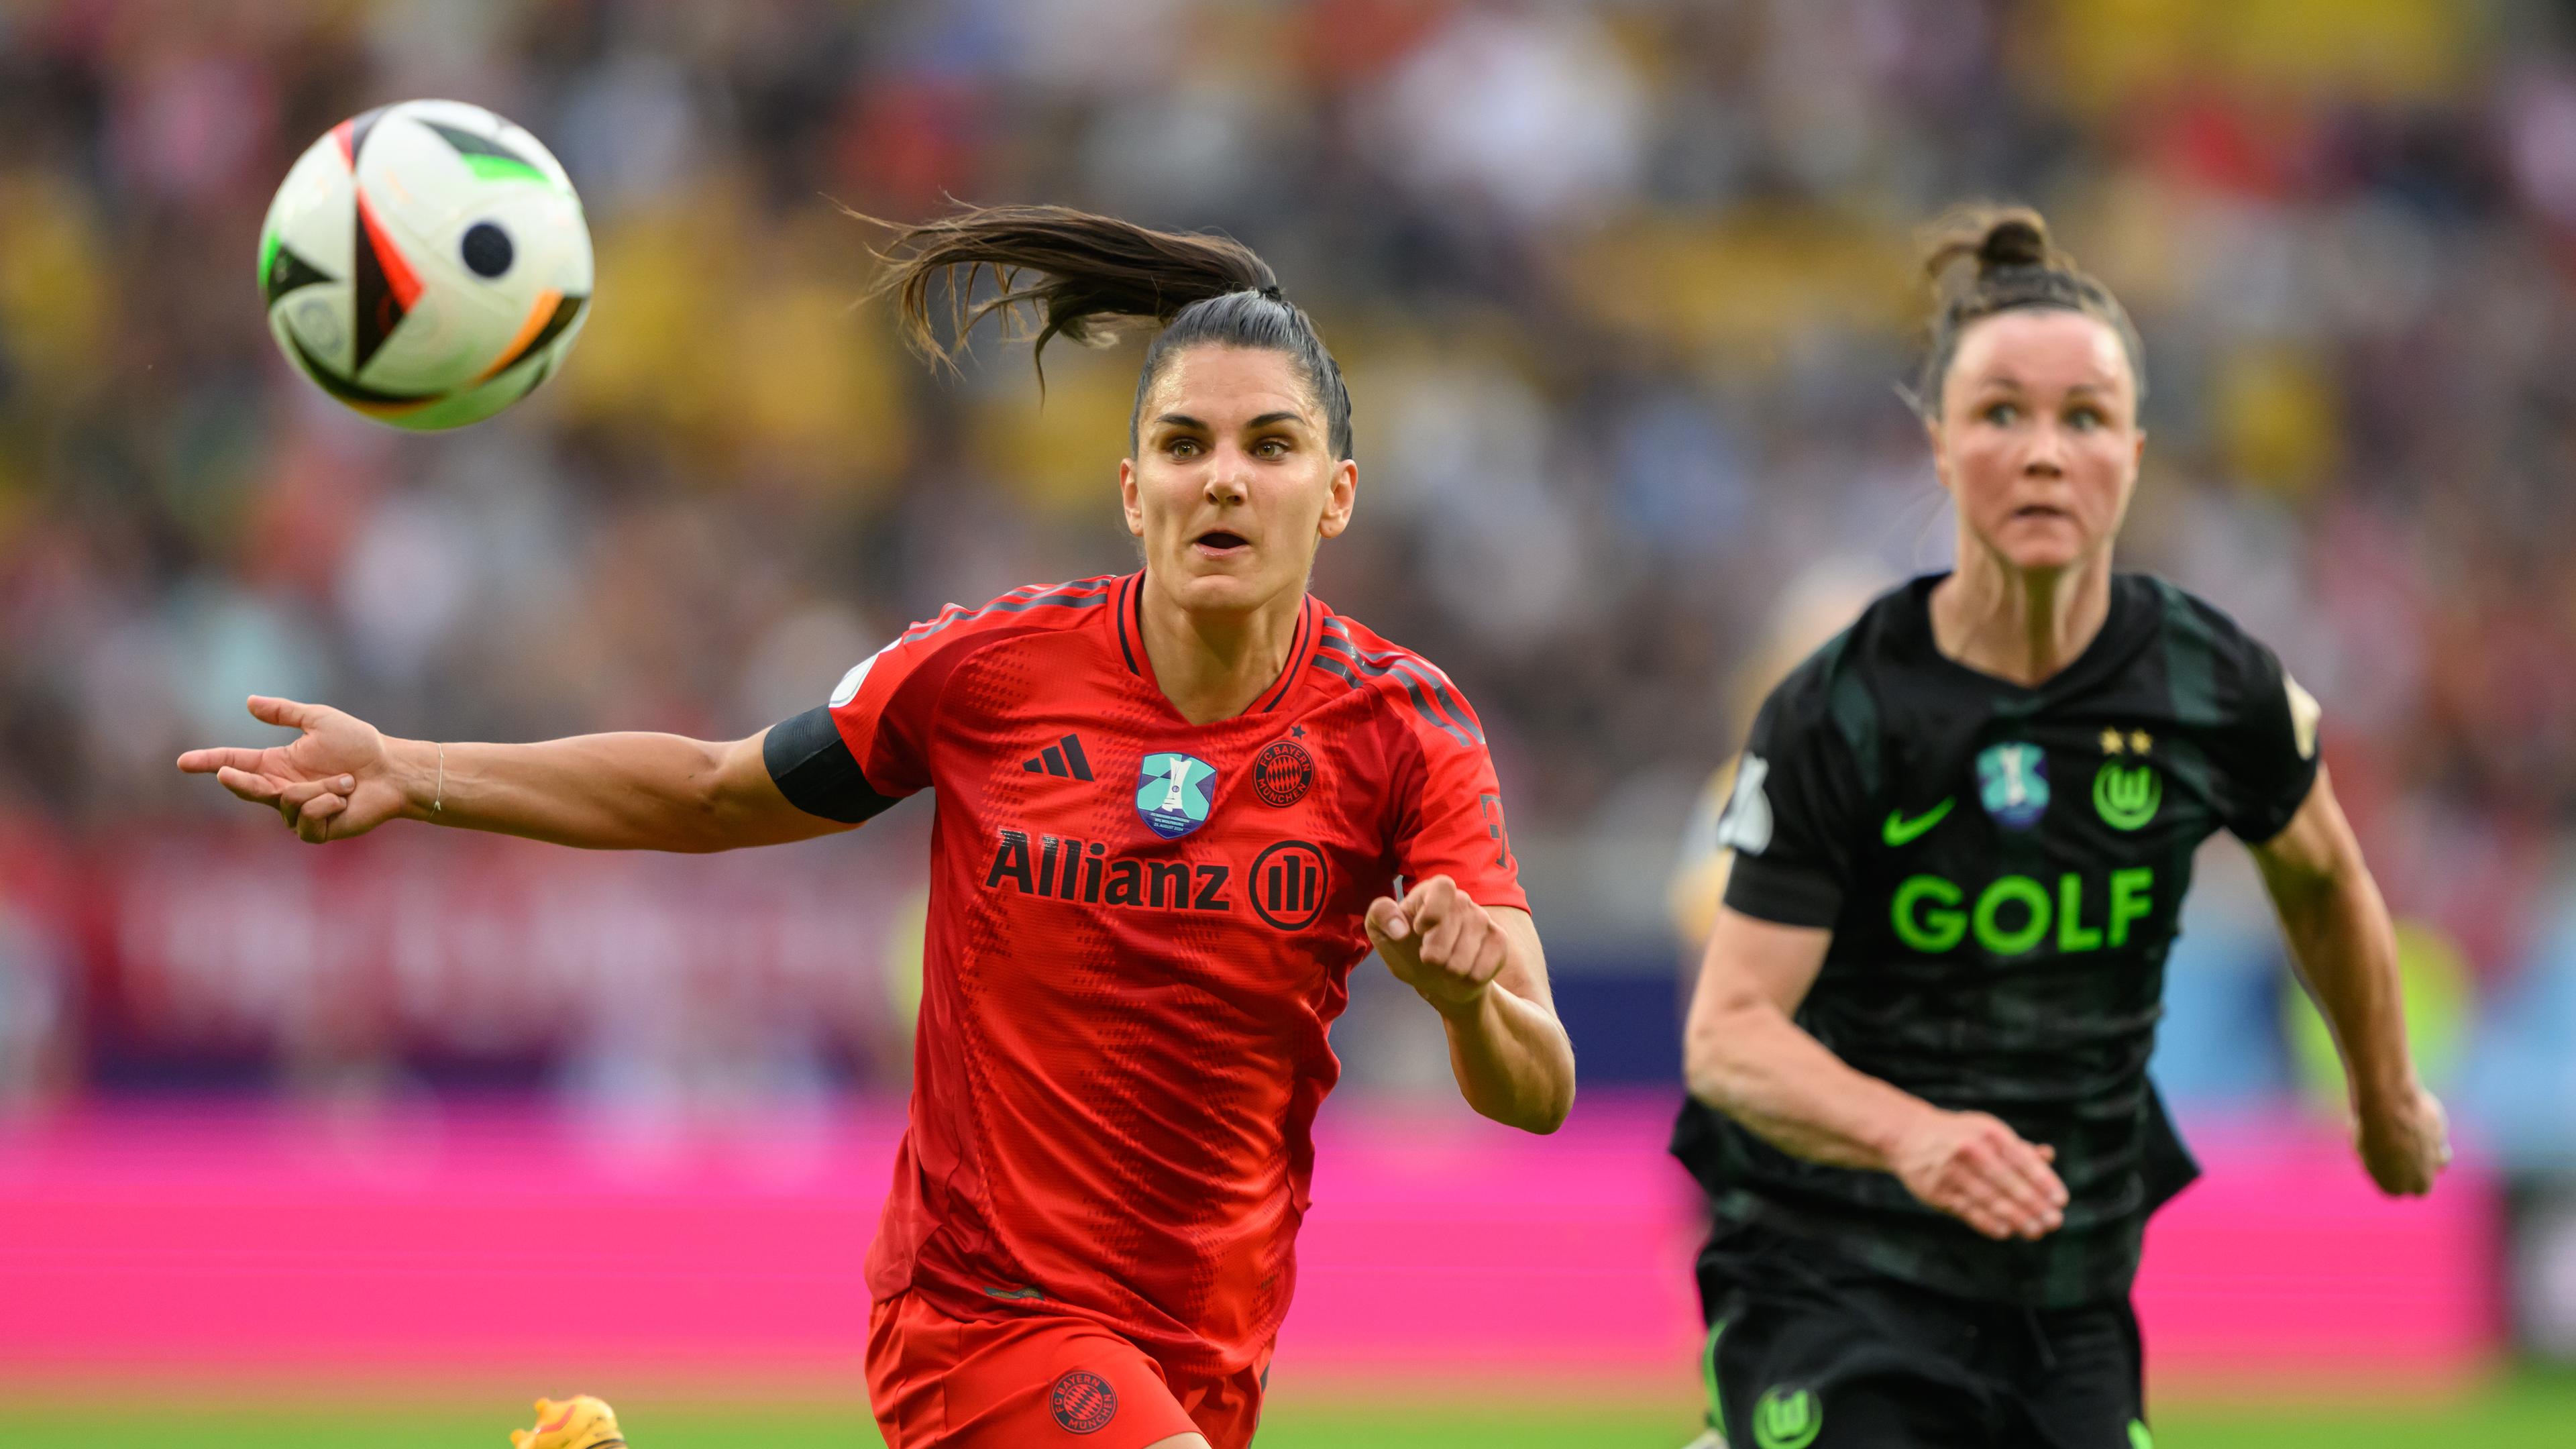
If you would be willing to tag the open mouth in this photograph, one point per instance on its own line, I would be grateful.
(1219, 541)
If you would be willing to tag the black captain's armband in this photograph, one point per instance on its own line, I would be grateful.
(816, 771)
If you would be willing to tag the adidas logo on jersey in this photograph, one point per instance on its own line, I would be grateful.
(1063, 759)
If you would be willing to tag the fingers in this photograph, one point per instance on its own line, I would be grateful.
(2028, 1188)
(1459, 937)
(1443, 933)
(1386, 922)
(1432, 909)
(1984, 1213)
(2000, 1184)
(204, 762)
(314, 822)
(258, 788)
(270, 710)
(304, 793)
(2405, 1155)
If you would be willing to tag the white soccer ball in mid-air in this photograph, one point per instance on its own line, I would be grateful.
(426, 263)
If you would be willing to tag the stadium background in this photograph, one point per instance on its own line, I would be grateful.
(1621, 288)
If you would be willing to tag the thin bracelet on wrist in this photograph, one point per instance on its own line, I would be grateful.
(438, 802)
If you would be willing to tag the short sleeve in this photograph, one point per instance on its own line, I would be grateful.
(1795, 811)
(2265, 745)
(869, 744)
(1450, 820)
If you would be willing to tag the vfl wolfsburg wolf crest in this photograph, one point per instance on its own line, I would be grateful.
(2012, 780)
(1787, 1420)
(1173, 793)
(2127, 796)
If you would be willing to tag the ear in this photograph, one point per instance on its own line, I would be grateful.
(1127, 498)
(1341, 497)
(1937, 436)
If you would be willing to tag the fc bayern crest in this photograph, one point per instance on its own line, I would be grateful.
(1282, 774)
(1083, 1402)
(2012, 780)
(1174, 793)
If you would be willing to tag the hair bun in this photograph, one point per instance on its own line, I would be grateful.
(2015, 239)
(1971, 242)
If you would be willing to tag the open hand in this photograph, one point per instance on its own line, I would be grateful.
(333, 781)
(1976, 1169)
(1439, 942)
(2404, 1147)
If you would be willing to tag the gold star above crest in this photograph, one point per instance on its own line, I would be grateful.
(2139, 743)
(2110, 742)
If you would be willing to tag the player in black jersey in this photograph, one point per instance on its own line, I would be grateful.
(1962, 833)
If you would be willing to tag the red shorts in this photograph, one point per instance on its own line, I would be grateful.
(937, 1382)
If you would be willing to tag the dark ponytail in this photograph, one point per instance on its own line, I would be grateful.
(1983, 260)
(1084, 275)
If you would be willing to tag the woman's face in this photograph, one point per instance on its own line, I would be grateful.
(2038, 440)
(1234, 484)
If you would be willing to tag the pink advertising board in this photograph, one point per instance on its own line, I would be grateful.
(226, 1243)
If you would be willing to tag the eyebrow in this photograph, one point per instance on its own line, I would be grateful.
(1184, 420)
(2005, 379)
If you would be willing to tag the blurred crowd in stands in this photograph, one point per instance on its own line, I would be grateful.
(1622, 289)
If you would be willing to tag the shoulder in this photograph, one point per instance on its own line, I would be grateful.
(1834, 692)
(2211, 661)
(1026, 609)
(957, 632)
(1406, 687)
(922, 657)
(2185, 617)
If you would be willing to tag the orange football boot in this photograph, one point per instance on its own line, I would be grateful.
(580, 1422)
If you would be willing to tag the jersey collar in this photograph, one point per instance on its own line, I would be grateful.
(1129, 620)
(2124, 629)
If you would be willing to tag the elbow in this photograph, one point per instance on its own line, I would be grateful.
(1713, 1050)
(1545, 1098)
(1543, 1117)
(1551, 1114)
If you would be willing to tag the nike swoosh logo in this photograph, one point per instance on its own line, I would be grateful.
(1900, 830)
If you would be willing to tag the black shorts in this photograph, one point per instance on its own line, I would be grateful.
(1807, 1350)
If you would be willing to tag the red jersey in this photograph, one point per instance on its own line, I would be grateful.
(1140, 929)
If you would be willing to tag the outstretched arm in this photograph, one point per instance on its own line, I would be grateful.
(342, 777)
(1482, 968)
(2346, 952)
(1747, 1057)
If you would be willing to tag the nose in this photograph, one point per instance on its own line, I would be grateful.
(1226, 483)
(2046, 457)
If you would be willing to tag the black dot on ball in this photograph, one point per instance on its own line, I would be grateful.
(487, 249)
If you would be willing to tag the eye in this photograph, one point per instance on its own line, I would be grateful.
(2085, 419)
(1183, 448)
(1270, 449)
(2001, 414)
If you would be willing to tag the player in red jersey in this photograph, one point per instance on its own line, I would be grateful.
(1174, 809)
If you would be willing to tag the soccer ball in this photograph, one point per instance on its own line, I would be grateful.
(426, 263)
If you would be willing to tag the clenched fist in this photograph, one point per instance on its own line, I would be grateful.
(1439, 942)
(2405, 1145)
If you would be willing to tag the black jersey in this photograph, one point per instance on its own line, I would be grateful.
(2003, 871)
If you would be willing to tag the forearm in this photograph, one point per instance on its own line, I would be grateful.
(2345, 948)
(1513, 1060)
(1751, 1062)
(626, 791)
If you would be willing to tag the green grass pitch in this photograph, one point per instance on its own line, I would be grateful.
(2524, 1411)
